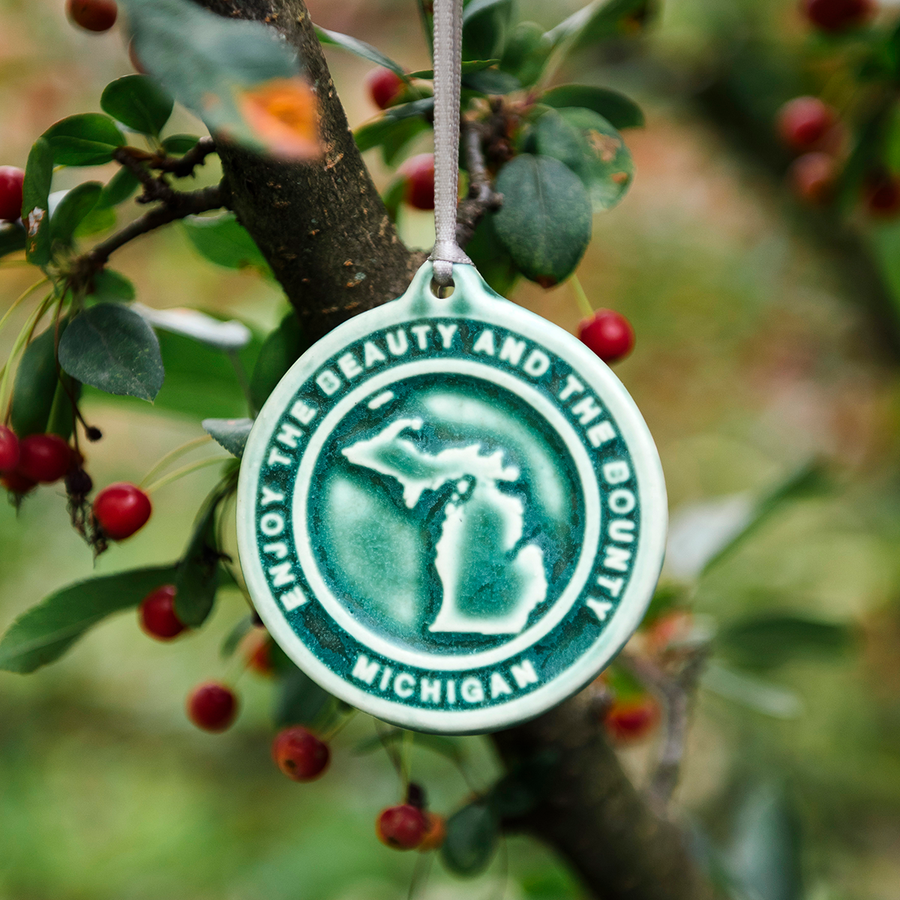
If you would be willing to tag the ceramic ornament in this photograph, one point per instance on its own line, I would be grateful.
(451, 513)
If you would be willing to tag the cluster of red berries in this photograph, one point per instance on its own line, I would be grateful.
(93, 15)
(812, 129)
(119, 510)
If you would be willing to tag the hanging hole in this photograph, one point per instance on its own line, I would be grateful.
(442, 292)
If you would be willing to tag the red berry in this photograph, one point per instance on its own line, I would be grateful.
(9, 449)
(608, 334)
(11, 181)
(812, 177)
(17, 483)
(93, 15)
(881, 192)
(385, 87)
(837, 15)
(402, 827)
(212, 706)
(630, 720)
(121, 510)
(300, 754)
(418, 172)
(804, 121)
(157, 614)
(44, 458)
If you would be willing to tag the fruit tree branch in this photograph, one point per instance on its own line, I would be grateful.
(481, 196)
(178, 206)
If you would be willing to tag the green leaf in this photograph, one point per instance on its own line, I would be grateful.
(110, 286)
(226, 336)
(205, 61)
(139, 103)
(808, 481)
(491, 258)
(392, 135)
(231, 434)
(200, 380)
(393, 197)
(45, 632)
(179, 144)
(545, 222)
(89, 139)
(299, 700)
(766, 851)
(619, 110)
(466, 67)
(526, 53)
(767, 641)
(595, 22)
(72, 210)
(113, 349)
(491, 81)
(36, 203)
(472, 835)
(62, 413)
(224, 241)
(474, 7)
(100, 218)
(12, 238)
(591, 148)
(281, 349)
(751, 692)
(197, 576)
(35, 387)
(485, 26)
(119, 188)
(360, 48)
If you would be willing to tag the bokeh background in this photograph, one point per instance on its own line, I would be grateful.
(764, 342)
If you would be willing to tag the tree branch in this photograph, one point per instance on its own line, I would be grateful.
(676, 692)
(594, 817)
(321, 225)
(178, 207)
(481, 197)
(182, 166)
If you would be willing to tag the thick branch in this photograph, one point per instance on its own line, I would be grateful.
(593, 815)
(322, 225)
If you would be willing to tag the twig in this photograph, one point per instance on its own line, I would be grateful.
(481, 197)
(178, 207)
(183, 166)
(675, 691)
(155, 188)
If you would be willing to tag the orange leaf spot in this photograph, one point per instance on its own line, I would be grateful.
(284, 117)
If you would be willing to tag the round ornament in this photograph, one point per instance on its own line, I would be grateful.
(451, 514)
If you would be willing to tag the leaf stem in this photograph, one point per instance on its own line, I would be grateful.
(581, 298)
(184, 470)
(172, 455)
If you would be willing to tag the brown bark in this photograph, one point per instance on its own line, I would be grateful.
(594, 816)
(322, 226)
(326, 234)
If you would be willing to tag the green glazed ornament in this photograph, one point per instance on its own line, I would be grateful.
(451, 514)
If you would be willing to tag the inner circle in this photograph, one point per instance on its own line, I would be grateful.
(444, 514)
